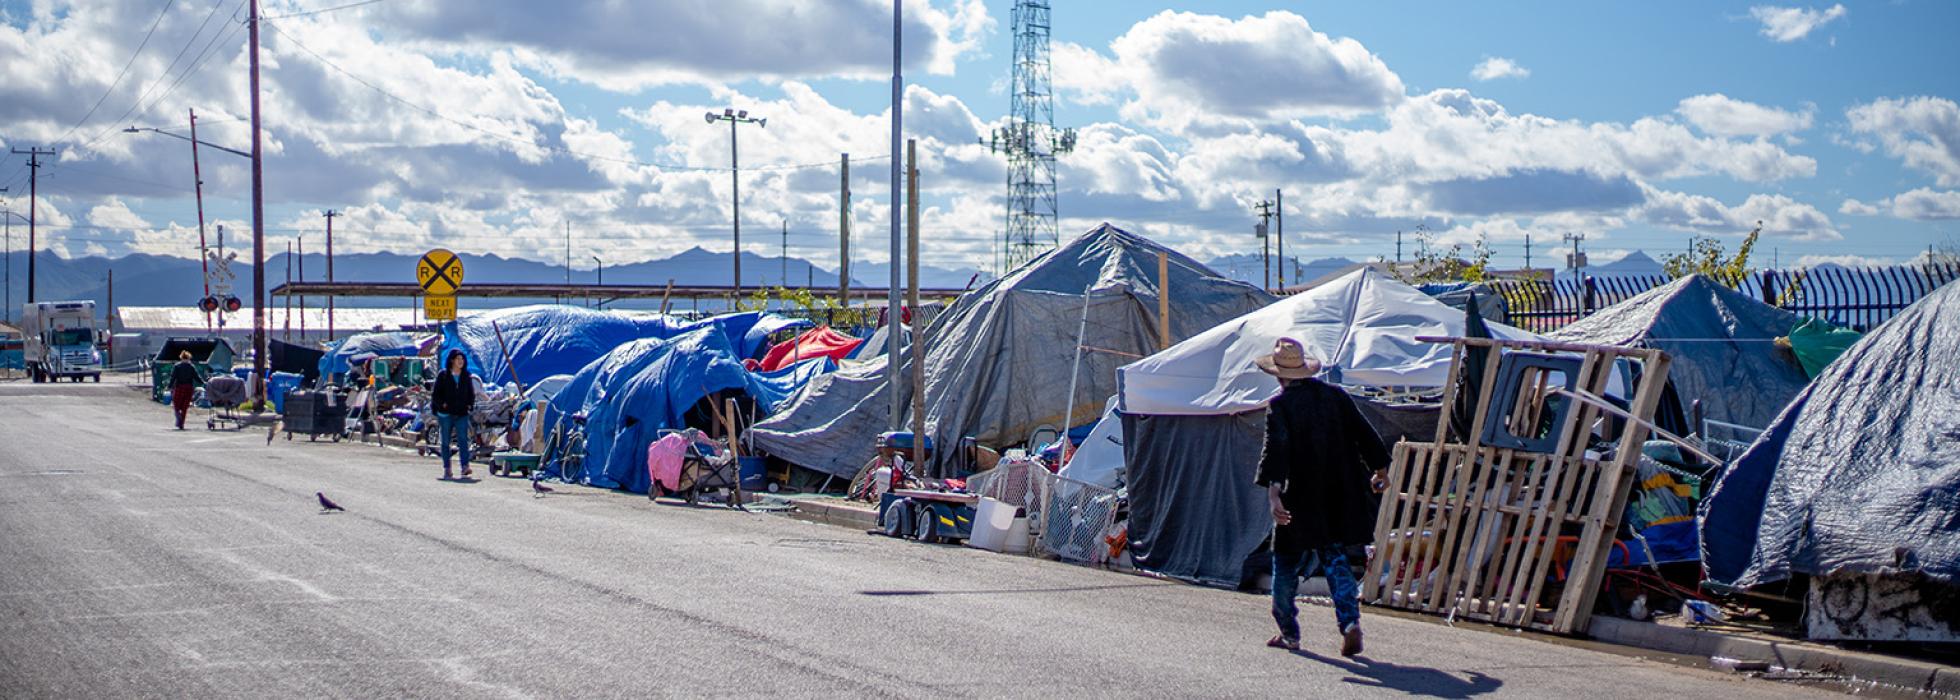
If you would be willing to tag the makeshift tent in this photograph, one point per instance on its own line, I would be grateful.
(998, 361)
(1861, 473)
(295, 358)
(335, 361)
(1099, 459)
(1723, 344)
(1194, 415)
(553, 339)
(649, 385)
(819, 342)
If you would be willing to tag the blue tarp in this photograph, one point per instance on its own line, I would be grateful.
(380, 344)
(648, 385)
(1860, 474)
(554, 339)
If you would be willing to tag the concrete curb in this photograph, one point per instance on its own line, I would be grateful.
(819, 511)
(1903, 674)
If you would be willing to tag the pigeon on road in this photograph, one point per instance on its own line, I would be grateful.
(538, 489)
(327, 505)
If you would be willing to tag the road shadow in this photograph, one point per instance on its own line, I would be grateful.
(1411, 680)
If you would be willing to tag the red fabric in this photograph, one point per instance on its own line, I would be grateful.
(816, 342)
(180, 400)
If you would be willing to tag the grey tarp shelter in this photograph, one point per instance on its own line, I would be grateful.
(1723, 344)
(998, 360)
(1861, 473)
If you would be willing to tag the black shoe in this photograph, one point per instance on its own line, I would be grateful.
(1351, 640)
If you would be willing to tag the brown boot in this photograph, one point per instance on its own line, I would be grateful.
(1351, 640)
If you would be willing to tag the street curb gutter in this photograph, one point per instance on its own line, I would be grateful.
(1903, 674)
(859, 519)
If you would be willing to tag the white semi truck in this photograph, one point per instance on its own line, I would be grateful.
(61, 341)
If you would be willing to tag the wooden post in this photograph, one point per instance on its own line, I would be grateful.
(734, 429)
(1163, 302)
(503, 350)
(912, 302)
(665, 294)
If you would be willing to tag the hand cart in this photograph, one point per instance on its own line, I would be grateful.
(705, 469)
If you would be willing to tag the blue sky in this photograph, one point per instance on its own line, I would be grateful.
(1639, 124)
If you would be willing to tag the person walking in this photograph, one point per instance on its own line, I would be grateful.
(1322, 467)
(183, 386)
(454, 396)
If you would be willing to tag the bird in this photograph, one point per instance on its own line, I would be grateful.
(326, 504)
(538, 489)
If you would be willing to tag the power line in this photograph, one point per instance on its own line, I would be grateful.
(189, 69)
(122, 73)
(323, 10)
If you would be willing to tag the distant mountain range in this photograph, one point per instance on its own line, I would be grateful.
(161, 280)
(1250, 268)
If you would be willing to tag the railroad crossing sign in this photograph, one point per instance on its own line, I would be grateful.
(439, 308)
(439, 272)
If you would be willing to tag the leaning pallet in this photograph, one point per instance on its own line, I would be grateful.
(1511, 523)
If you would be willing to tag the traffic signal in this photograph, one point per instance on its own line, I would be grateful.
(208, 304)
(232, 305)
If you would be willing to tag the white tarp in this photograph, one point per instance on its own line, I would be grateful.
(1362, 327)
(1099, 460)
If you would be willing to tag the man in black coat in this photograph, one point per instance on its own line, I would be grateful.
(1322, 467)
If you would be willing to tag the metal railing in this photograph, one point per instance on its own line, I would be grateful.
(1859, 298)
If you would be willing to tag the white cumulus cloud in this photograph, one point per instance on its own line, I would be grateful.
(1922, 132)
(1927, 204)
(1722, 115)
(1787, 24)
(1494, 67)
(1856, 208)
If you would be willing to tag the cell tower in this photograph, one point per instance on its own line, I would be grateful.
(1031, 142)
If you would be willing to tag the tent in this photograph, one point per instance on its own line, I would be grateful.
(295, 358)
(1194, 415)
(334, 362)
(998, 361)
(1723, 344)
(819, 342)
(554, 339)
(1860, 474)
(652, 384)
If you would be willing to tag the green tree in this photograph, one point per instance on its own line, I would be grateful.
(1435, 263)
(1707, 256)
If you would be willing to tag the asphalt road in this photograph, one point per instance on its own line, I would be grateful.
(137, 561)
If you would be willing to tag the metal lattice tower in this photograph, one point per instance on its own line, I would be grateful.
(1031, 142)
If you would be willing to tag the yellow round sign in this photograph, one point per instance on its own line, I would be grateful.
(439, 272)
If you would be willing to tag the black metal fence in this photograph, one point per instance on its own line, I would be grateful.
(1858, 298)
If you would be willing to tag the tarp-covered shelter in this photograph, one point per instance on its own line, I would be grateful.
(1194, 415)
(546, 339)
(651, 384)
(335, 361)
(1860, 474)
(295, 358)
(819, 342)
(1723, 344)
(998, 360)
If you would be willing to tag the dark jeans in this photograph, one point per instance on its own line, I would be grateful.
(457, 429)
(1288, 568)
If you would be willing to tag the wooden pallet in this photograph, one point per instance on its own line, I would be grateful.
(1486, 533)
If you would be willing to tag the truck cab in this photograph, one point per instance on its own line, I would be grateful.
(62, 341)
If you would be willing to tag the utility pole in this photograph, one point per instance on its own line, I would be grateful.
(197, 180)
(912, 300)
(33, 197)
(109, 314)
(785, 258)
(844, 235)
(7, 223)
(1279, 230)
(302, 279)
(568, 256)
(1578, 259)
(1265, 208)
(1527, 252)
(892, 315)
(1398, 248)
(258, 226)
(289, 298)
(330, 295)
(736, 118)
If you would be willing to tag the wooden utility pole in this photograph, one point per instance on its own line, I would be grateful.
(912, 301)
(33, 197)
(1266, 242)
(844, 235)
(1163, 302)
(258, 225)
(301, 263)
(203, 256)
(1279, 231)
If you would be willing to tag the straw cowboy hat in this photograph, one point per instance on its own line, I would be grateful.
(1288, 361)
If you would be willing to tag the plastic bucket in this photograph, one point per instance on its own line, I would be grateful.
(755, 473)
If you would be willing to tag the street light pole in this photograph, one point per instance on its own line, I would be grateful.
(197, 177)
(601, 301)
(736, 118)
(892, 310)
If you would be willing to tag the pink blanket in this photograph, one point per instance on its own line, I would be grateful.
(664, 459)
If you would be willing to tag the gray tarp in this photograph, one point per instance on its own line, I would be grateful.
(1722, 343)
(1195, 513)
(998, 361)
(1861, 475)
